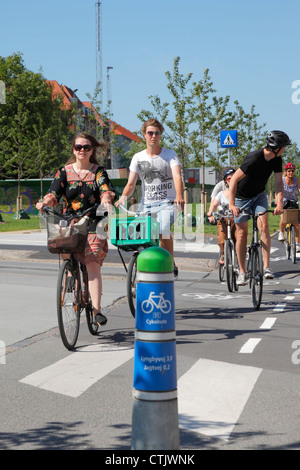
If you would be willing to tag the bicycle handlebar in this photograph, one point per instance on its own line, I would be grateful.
(69, 217)
(256, 214)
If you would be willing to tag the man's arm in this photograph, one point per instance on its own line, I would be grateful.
(176, 173)
(129, 188)
(236, 177)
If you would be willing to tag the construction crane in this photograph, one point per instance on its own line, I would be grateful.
(109, 98)
(99, 81)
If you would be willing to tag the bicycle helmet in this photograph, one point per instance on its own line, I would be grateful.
(227, 172)
(277, 140)
(289, 166)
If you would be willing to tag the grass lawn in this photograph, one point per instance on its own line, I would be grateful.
(9, 224)
(273, 225)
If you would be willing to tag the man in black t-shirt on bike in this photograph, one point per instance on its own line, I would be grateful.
(247, 193)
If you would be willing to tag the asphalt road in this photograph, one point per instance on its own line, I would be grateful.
(238, 369)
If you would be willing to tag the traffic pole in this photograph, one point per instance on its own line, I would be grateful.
(155, 407)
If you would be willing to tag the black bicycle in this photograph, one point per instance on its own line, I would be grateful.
(255, 269)
(66, 236)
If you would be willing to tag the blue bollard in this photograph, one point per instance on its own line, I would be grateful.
(155, 407)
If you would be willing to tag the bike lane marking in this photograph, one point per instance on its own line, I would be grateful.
(268, 323)
(212, 396)
(77, 372)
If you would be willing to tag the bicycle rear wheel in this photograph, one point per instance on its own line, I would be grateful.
(287, 243)
(68, 312)
(293, 244)
(131, 282)
(257, 277)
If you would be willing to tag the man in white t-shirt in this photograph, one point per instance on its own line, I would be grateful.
(160, 172)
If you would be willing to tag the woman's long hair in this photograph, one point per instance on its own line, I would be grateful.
(95, 144)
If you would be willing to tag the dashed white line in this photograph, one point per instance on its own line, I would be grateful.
(250, 345)
(268, 323)
(279, 308)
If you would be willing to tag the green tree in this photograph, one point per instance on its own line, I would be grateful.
(34, 128)
(177, 121)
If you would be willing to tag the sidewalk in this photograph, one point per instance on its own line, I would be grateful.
(32, 246)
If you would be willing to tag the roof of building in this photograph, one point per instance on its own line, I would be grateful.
(68, 95)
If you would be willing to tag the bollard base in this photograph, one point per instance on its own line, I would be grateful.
(155, 425)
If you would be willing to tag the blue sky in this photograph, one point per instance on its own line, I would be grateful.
(250, 47)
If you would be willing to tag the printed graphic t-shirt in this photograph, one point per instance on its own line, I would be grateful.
(156, 175)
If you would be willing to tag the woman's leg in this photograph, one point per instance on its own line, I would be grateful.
(95, 288)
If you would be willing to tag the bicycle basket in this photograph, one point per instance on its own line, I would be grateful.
(290, 216)
(69, 239)
(129, 233)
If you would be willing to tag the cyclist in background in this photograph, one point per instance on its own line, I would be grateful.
(221, 198)
(291, 188)
(247, 192)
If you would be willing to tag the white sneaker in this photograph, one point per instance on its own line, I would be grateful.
(241, 280)
(281, 236)
(268, 274)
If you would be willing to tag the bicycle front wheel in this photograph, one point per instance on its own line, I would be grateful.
(131, 282)
(257, 277)
(68, 312)
(229, 264)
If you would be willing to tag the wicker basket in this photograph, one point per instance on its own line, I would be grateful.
(129, 233)
(291, 216)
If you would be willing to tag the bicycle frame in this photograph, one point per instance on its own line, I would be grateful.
(73, 292)
(230, 266)
(255, 262)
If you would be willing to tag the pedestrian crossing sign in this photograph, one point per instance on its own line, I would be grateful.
(228, 139)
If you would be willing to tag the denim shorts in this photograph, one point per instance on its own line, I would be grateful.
(166, 217)
(255, 204)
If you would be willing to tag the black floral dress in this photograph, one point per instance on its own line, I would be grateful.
(79, 194)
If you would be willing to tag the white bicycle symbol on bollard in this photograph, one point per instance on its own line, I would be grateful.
(157, 301)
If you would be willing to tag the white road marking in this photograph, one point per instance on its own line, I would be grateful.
(74, 374)
(268, 323)
(289, 297)
(212, 396)
(279, 308)
(250, 345)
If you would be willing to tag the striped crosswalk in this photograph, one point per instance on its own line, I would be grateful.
(211, 394)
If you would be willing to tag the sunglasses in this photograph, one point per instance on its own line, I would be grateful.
(87, 148)
(151, 133)
(291, 170)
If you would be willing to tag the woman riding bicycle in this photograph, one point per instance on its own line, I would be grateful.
(82, 183)
(222, 198)
(291, 188)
